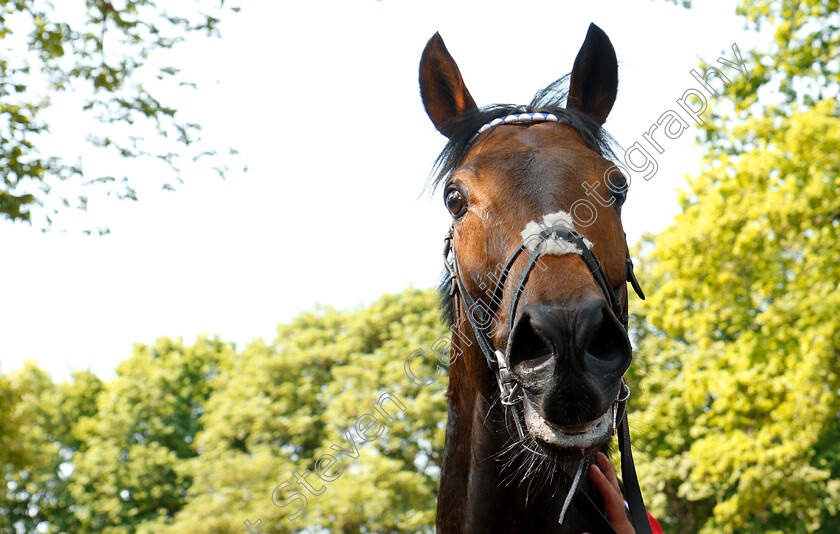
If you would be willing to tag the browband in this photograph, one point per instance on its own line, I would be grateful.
(517, 118)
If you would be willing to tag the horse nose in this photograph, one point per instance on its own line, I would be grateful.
(586, 339)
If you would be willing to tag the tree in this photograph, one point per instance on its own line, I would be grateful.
(279, 407)
(127, 470)
(197, 438)
(90, 457)
(109, 52)
(740, 360)
(35, 461)
(796, 70)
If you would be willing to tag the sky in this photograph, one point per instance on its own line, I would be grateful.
(321, 100)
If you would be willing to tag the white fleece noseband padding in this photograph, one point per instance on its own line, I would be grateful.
(553, 245)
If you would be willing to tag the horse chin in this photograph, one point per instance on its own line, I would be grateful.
(569, 440)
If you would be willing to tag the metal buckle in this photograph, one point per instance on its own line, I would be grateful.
(624, 389)
(622, 396)
(505, 381)
(450, 268)
(507, 392)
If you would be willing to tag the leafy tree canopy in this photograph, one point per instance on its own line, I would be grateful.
(797, 69)
(196, 438)
(739, 371)
(108, 52)
(281, 406)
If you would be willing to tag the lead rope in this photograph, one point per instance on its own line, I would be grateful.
(572, 490)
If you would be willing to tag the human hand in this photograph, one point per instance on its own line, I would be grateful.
(602, 475)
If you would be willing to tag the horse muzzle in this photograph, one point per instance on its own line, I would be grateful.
(584, 436)
(569, 361)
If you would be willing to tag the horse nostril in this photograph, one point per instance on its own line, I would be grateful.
(606, 346)
(529, 350)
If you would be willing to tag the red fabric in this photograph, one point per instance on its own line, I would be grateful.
(654, 524)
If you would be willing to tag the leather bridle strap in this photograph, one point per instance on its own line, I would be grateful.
(567, 234)
(570, 236)
(632, 491)
(497, 360)
(472, 306)
(520, 285)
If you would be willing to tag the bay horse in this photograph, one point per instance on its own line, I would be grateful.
(536, 291)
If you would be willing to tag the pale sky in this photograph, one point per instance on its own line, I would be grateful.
(321, 99)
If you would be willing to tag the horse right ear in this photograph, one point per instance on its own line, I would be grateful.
(445, 96)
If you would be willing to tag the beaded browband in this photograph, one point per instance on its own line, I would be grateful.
(517, 118)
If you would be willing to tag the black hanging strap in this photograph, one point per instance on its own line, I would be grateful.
(633, 493)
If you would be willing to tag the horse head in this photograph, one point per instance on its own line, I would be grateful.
(537, 267)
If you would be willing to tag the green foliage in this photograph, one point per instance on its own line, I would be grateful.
(279, 407)
(35, 466)
(107, 53)
(146, 423)
(739, 372)
(797, 68)
(740, 393)
(196, 438)
(96, 457)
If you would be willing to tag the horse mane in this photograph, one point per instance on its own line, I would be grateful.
(551, 99)
(447, 310)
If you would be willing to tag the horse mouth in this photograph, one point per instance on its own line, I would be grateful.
(584, 436)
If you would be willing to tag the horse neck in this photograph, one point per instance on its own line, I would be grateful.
(474, 495)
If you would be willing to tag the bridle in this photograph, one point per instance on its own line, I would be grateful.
(498, 361)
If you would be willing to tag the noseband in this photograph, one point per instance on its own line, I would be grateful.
(498, 361)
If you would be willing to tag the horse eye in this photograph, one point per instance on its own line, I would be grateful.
(455, 203)
(618, 188)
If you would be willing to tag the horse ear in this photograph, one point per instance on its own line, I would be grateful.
(594, 81)
(441, 86)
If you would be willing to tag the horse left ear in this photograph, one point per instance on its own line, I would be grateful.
(594, 81)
